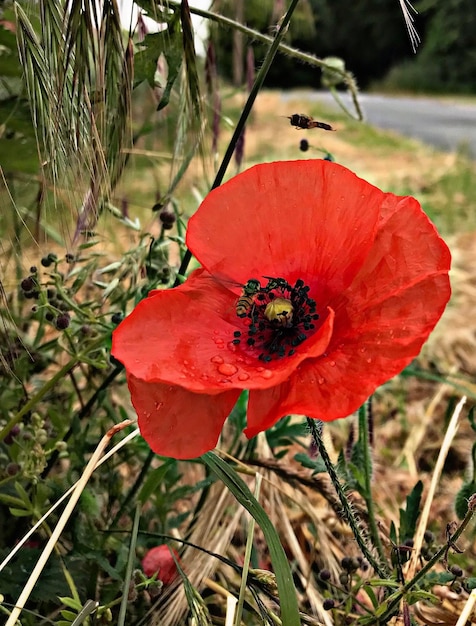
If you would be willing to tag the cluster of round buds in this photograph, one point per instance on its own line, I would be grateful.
(349, 566)
(49, 260)
(57, 309)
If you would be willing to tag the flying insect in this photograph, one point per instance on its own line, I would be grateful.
(305, 122)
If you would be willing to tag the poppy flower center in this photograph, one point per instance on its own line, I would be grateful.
(279, 317)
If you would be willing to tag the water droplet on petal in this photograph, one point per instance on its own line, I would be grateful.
(267, 374)
(227, 369)
(159, 405)
(243, 376)
(332, 363)
(321, 380)
(260, 369)
(185, 362)
(369, 360)
(216, 359)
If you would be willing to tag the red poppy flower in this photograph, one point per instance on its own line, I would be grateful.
(315, 288)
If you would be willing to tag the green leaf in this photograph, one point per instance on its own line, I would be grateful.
(461, 500)
(416, 596)
(471, 417)
(168, 43)
(154, 479)
(24, 497)
(371, 594)
(71, 603)
(317, 465)
(284, 579)
(68, 615)
(409, 515)
(20, 513)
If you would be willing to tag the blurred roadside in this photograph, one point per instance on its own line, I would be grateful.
(447, 125)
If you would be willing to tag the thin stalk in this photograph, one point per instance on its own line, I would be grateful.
(247, 557)
(394, 600)
(121, 620)
(349, 515)
(244, 115)
(135, 487)
(365, 441)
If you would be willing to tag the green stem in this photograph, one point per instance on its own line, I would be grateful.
(347, 509)
(245, 113)
(365, 447)
(121, 620)
(135, 487)
(394, 600)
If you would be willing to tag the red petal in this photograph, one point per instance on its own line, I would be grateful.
(313, 220)
(184, 337)
(176, 422)
(381, 322)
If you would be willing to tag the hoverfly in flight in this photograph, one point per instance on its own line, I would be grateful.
(306, 122)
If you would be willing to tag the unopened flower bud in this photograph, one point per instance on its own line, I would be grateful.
(429, 537)
(167, 217)
(159, 560)
(12, 469)
(27, 284)
(62, 321)
(14, 431)
(456, 570)
(116, 318)
(324, 574)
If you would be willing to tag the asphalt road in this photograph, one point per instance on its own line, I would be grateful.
(447, 126)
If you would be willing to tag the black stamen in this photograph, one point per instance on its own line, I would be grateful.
(278, 337)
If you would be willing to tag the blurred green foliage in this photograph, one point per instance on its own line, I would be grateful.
(371, 36)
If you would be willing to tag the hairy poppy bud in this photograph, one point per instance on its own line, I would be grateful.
(159, 560)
